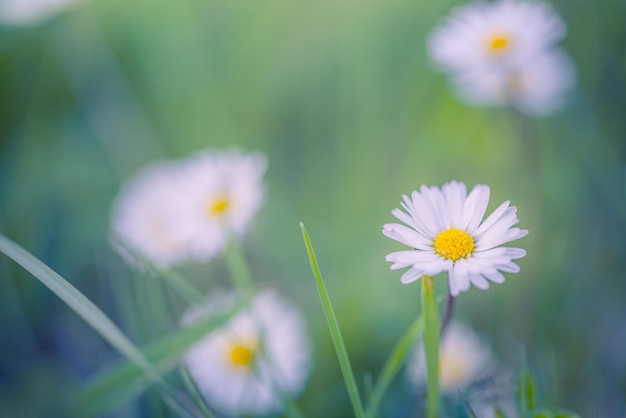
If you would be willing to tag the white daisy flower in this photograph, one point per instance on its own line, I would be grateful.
(145, 217)
(487, 34)
(223, 192)
(463, 359)
(20, 12)
(253, 362)
(536, 87)
(447, 233)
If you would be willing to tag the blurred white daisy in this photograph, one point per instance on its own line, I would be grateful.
(463, 359)
(504, 54)
(488, 34)
(223, 192)
(145, 217)
(536, 87)
(447, 233)
(253, 362)
(21, 12)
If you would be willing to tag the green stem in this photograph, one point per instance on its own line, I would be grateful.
(431, 345)
(238, 269)
(335, 332)
(393, 364)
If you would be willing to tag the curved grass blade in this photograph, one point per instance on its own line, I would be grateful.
(392, 365)
(87, 310)
(335, 332)
(192, 388)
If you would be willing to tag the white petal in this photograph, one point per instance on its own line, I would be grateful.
(507, 220)
(508, 236)
(475, 207)
(455, 194)
(494, 275)
(410, 276)
(479, 281)
(509, 267)
(493, 218)
(407, 236)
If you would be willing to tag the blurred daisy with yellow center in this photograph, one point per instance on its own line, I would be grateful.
(505, 53)
(463, 359)
(499, 43)
(486, 34)
(224, 192)
(261, 356)
(446, 232)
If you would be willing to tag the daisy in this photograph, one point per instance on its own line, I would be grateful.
(261, 356)
(145, 217)
(463, 359)
(223, 192)
(536, 88)
(498, 34)
(447, 233)
(21, 12)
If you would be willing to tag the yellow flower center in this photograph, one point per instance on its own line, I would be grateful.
(452, 371)
(498, 43)
(217, 207)
(453, 244)
(242, 355)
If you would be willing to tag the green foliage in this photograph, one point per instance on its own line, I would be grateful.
(126, 380)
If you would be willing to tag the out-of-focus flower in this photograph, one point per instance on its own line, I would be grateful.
(537, 87)
(145, 217)
(504, 54)
(223, 192)
(22, 12)
(463, 359)
(253, 362)
(189, 209)
(447, 233)
(501, 34)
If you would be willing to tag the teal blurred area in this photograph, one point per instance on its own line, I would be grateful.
(342, 98)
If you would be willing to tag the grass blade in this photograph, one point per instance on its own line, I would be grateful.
(432, 327)
(126, 380)
(335, 332)
(181, 285)
(392, 365)
(87, 310)
(197, 397)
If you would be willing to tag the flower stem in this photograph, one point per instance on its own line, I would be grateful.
(238, 269)
(431, 345)
(449, 311)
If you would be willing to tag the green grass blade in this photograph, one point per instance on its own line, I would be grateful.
(87, 310)
(125, 381)
(197, 397)
(393, 364)
(335, 332)
(432, 328)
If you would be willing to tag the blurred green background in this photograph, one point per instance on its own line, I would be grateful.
(342, 98)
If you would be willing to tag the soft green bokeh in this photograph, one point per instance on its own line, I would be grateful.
(342, 98)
